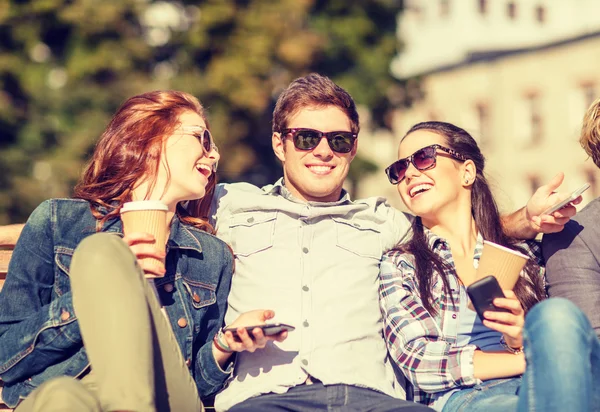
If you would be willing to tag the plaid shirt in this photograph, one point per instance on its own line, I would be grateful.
(423, 345)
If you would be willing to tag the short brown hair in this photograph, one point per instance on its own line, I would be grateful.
(590, 132)
(313, 90)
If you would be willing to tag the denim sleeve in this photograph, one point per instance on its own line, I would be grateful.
(209, 375)
(36, 331)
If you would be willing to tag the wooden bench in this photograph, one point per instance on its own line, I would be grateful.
(8, 237)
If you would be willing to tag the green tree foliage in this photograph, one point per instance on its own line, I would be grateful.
(66, 66)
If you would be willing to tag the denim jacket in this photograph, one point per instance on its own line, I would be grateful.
(39, 333)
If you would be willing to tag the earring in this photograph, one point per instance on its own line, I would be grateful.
(466, 181)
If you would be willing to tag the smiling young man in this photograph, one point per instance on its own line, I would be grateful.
(304, 249)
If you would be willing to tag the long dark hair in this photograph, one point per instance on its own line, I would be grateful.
(529, 289)
(130, 148)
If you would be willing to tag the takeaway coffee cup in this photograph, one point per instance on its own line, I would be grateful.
(502, 263)
(148, 216)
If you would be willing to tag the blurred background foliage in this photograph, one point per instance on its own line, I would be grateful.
(67, 65)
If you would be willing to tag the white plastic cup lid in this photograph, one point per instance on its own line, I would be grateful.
(514, 252)
(143, 205)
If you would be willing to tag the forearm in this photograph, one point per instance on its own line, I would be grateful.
(493, 365)
(518, 225)
(10, 233)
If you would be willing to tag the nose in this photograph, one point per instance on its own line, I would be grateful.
(323, 150)
(411, 172)
(214, 157)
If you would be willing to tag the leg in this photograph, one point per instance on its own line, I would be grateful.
(338, 398)
(559, 347)
(62, 394)
(354, 398)
(136, 362)
(495, 395)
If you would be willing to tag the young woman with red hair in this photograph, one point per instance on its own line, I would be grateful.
(82, 328)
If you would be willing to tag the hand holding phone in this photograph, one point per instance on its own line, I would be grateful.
(482, 294)
(268, 329)
(568, 200)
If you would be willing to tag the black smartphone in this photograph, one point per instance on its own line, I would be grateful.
(268, 329)
(482, 294)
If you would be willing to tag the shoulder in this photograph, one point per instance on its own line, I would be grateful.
(584, 225)
(56, 210)
(210, 243)
(399, 259)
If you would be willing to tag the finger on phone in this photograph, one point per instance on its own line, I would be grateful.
(279, 337)
(505, 329)
(504, 318)
(244, 338)
(510, 304)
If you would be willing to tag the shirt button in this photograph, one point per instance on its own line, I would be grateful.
(65, 315)
(305, 324)
(182, 322)
(305, 288)
(304, 362)
(188, 362)
(168, 287)
(250, 220)
(196, 298)
(305, 250)
(454, 316)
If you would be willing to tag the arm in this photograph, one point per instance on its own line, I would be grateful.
(493, 365)
(10, 233)
(414, 339)
(573, 268)
(34, 331)
(528, 221)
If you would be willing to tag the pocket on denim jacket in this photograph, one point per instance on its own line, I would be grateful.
(62, 259)
(252, 232)
(200, 294)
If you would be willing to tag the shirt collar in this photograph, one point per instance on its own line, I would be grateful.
(278, 188)
(436, 242)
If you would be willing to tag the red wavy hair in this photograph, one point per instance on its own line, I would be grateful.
(129, 150)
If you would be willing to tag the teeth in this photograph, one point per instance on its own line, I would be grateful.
(419, 188)
(320, 168)
(202, 166)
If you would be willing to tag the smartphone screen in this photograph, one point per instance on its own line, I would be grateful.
(268, 329)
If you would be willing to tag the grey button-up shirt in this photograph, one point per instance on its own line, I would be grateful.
(316, 265)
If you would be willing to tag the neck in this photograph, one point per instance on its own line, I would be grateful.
(458, 228)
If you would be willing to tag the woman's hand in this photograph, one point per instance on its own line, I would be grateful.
(251, 341)
(142, 246)
(510, 324)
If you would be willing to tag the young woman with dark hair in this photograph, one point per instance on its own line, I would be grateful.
(454, 360)
(82, 327)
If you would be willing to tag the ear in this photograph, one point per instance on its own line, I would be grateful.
(278, 146)
(354, 150)
(469, 173)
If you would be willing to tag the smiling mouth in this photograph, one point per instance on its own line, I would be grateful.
(320, 169)
(422, 188)
(204, 169)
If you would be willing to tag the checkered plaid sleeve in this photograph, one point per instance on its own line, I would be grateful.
(414, 338)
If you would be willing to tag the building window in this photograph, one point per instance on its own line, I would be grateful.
(444, 8)
(540, 14)
(511, 10)
(534, 183)
(580, 100)
(528, 116)
(483, 7)
(483, 122)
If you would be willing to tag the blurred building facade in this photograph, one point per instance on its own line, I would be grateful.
(517, 75)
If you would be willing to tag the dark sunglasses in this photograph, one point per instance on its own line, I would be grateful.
(308, 139)
(422, 159)
(205, 138)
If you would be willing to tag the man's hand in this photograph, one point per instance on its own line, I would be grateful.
(543, 198)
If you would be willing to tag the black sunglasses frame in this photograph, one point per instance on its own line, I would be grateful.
(330, 136)
(411, 159)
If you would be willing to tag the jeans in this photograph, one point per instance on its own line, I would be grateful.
(563, 367)
(135, 360)
(331, 398)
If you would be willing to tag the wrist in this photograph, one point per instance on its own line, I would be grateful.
(515, 350)
(220, 343)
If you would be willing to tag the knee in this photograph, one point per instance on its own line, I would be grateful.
(64, 394)
(558, 317)
(100, 250)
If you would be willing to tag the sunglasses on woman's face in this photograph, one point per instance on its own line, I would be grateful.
(422, 159)
(205, 138)
(308, 139)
